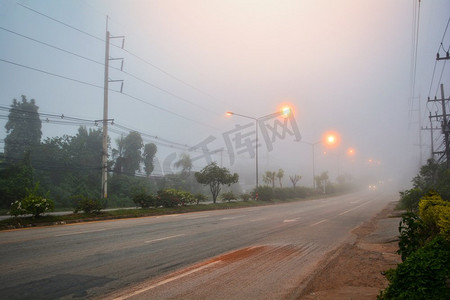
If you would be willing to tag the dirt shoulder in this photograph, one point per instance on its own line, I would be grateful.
(354, 271)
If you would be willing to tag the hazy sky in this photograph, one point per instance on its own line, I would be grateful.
(344, 66)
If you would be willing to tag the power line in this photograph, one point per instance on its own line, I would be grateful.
(51, 46)
(50, 73)
(100, 87)
(127, 51)
(60, 22)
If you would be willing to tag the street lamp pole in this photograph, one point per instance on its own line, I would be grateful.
(285, 111)
(313, 160)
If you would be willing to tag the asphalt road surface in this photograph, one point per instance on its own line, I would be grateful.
(263, 252)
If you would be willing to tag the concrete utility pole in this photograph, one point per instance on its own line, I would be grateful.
(445, 126)
(105, 119)
(105, 109)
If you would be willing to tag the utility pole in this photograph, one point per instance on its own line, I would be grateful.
(105, 119)
(105, 109)
(445, 126)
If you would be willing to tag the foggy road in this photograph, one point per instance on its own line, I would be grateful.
(260, 253)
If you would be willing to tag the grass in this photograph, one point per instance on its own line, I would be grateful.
(48, 220)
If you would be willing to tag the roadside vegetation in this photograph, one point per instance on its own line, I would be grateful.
(424, 242)
(65, 174)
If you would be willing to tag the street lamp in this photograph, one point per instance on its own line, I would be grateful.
(285, 111)
(330, 139)
(313, 160)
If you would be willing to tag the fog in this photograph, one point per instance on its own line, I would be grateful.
(342, 66)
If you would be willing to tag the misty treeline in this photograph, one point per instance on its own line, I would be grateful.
(69, 167)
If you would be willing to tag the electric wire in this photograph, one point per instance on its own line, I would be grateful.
(100, 87)
(125, 50)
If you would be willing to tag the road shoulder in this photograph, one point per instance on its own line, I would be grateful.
(354, 271)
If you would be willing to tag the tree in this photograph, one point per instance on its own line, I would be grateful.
(149, 155)
(294, 179)
(321, 181)
(280, 175)
(132, 152)
(269, 178)
(215, 177)
(185, 163)
(117, 154)
(23, 129)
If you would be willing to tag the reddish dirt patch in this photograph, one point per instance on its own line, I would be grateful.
(354, 271)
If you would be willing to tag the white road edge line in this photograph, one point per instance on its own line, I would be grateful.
(164, 238)
(317, 223)
(343, 213)
(79, 232)
(166, 281)
(291, 220)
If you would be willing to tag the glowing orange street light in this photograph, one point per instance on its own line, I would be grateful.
(331, 139)
(351, 151)
(285, 111)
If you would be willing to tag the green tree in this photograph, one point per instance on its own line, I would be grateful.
(15, 179)
(294, 179)
(185, 163)
(321, 181)
(269, 178)
(215, 177)
(149, 155)
(23, 129)
(132, 153)
(280, 175)
(117, 155)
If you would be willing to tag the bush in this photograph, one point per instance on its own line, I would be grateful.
(412, 234)
(144, 200)
(409, 199)
(423, 275)
(32, 204)
(228, 196)
(263, 193)
(244, 197)
(173, 198)
(88, 205)
(435, 214)
(200, 198)
(281, 193)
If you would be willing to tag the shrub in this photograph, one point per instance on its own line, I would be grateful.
(435, 214)
(412, 234)
(228, 196)
(87, 205)
(32, 204)
(244, 197)
(186, 198)
(200, 198)
(423, 275)
(144, 200)
(409, 199)
(281, 193)
(263, 193)
(172, 198)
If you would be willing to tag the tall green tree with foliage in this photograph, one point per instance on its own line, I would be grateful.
(148, 157)
(280, 175)
(214, 176)
(117, 155)
(15, 179)
(23, 129)
(184, 163)
(132, 153)
(269, 178)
